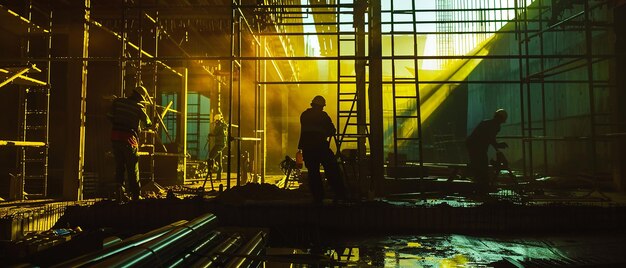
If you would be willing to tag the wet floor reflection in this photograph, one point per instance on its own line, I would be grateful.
(455, 251)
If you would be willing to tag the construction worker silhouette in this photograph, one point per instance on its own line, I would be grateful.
(127, 116)
(316, 129)
(478, 144)
(220, 130)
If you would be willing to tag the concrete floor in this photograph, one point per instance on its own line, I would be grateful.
(451, 250)
(566, 229)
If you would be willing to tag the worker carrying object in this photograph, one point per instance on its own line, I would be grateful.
(478, 144)
(127, 116)
(316, 128)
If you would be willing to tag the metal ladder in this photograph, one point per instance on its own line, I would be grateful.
(412, 141)
(34, 124)
(193, 137)
(347, 98)
(34, 160)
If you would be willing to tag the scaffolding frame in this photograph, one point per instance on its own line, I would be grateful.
(528, 79)
(240, 25)
(34, 100)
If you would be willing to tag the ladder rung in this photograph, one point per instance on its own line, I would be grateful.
(38, 90)
(405, 97)
(347, 39)
(403, 11)
(36, 127)
(33, 160)
(407, 116)
(401, 32)
(34, 177)
(36, 112)
(348, 76)
(355, 135)
(347, 93)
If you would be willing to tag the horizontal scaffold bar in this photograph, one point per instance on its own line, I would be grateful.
(22, 143)
(432, 82)
(246, 58)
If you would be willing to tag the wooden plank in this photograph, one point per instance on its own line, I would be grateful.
(22, 143)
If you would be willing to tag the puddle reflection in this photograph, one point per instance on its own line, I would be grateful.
(421, 251)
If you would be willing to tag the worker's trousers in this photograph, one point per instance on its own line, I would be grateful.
(479, 165)
(313, 158)
(127, 163)
(215, 160)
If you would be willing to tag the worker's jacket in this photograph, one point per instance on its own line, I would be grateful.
(220, 133)
(484, 135)
(316, 127)
(127, 115)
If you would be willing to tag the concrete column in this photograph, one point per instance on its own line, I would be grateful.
(376, 95)
(618, 98)
(76, 105)
(359, 26)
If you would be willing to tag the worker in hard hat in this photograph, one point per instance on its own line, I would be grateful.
(128, 115)
(478, 144)
(316, 128)
(220, 137)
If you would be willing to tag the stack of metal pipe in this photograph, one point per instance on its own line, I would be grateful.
(194, 243)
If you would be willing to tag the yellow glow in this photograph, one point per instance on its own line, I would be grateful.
(433, 95)
(390, 254)
(414, 245)
(456, 261)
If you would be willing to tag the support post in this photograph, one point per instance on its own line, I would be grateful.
(76, 108)
(183, 120)
(359, 26)
(375, 93)
(618, 97)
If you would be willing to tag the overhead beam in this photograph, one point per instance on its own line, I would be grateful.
(131, 44)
